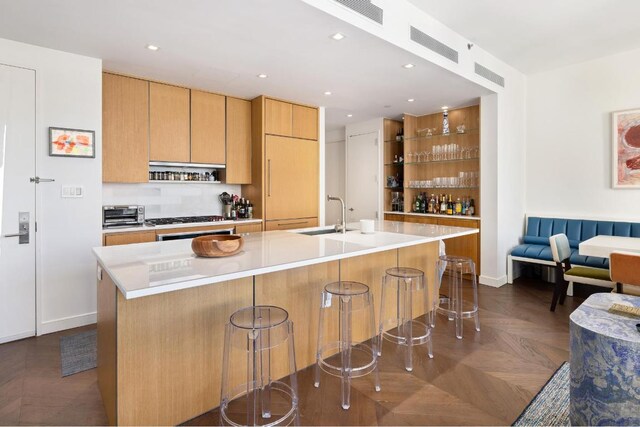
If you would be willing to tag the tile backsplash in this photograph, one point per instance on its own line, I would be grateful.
(166, 200)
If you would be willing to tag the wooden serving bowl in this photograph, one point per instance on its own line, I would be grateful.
(217, 245)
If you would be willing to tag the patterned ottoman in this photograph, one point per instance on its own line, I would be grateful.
(605, 363)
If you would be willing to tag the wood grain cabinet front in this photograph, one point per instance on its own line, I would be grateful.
(129, 238)
(208, 122)
(291, 224)
(291, 178)
(169, 123)
(278, 118)
(238, 169)
(125, 129)
(305, 122)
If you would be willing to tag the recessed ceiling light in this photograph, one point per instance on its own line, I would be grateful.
(337, 36)
(262, 76)
(152, 47)
(410, 100)
(349, 115)
(444, 107)
(408, 66)
(387, 106)
(327, 93)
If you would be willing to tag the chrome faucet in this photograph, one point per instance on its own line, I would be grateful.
(342, 226)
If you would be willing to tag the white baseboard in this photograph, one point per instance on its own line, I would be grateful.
(66, 323)
(16, 337)
(493, 281)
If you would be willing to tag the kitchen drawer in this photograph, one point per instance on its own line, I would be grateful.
(129, 238)
(248, 228)
(290, 224)
(192, 229)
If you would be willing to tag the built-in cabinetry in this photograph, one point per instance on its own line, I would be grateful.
(424, 160)
(153, 122)
(114, 239)
(285, 166)
(169, 123)
(125, 129)
(238, 128)
(208, 127)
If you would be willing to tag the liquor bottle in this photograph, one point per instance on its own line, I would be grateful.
(443, 205)
(458, 206)
(416, 204)
(423, 203)
(472, 208)
(242, 209)
(450, 206)
(465, 205)
(249, 209)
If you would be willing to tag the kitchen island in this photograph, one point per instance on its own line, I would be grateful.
(162, 310)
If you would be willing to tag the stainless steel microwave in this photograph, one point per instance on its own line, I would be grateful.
(113, 216)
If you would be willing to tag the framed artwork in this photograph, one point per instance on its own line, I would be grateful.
(71, 142)
(626, 149)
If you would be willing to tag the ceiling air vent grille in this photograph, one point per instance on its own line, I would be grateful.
(434, 45)
(489, 75)
(364, 8)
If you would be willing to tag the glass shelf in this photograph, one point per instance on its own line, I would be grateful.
(394, 188)
(440, 136)
(393, 140)
(442, 161)
(394, 164)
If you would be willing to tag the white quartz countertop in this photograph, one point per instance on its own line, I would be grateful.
(111, 230)
(157, 267)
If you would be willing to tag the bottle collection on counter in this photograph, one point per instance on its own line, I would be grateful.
(443, 205)
(236, 207)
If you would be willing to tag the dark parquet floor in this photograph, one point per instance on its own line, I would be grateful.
(485, 379)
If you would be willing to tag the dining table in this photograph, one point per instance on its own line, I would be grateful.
(602, 246)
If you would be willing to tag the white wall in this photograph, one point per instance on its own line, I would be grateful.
(502, 175)
(166, 200)
(68, 94)
(568, 163)
(334, 173)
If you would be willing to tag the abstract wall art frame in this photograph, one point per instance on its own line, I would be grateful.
(65, 142)
(625, 163)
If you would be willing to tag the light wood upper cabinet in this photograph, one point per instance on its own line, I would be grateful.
(291, 178)
(169, 123)
(125, 129)
(305, 122)
(238, 169)
(279, 118)
(207, 127)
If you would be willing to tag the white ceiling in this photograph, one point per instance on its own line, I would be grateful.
(222, 45)
(541, 35)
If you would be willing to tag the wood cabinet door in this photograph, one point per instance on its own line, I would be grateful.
(208, 123)
(305, 122)
(278, 118)
(291, 178)
(291, 224)
(238, 141)
(125, 129)
(169, 123)
(467, 246)
(129, 238)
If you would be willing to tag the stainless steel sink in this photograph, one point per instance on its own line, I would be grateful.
(319, 232)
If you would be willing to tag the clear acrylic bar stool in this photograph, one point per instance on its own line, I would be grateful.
(398, 287)
(453, 272)
(350, 349)
(259, 339)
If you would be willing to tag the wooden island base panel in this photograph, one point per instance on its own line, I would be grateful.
(160, 357)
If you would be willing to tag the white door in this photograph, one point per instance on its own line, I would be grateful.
(361, 177)
(17, 204)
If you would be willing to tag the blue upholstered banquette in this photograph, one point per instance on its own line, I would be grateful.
(536, 240)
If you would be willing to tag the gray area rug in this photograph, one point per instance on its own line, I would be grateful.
(78, 352)
(550, 407)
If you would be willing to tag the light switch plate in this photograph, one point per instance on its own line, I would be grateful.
(72, 191)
